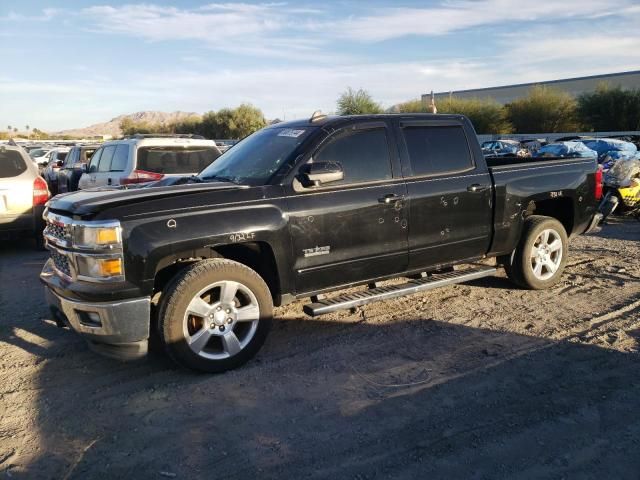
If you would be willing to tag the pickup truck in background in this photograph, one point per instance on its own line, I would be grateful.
(297, 210)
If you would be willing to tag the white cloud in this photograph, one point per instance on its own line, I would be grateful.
(256, 29)
(453, 16)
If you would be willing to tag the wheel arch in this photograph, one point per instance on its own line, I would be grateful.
(258, 255)
(562, 209)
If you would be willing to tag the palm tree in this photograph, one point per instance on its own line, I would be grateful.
(9, 128)
(26, 127)
(15, 129)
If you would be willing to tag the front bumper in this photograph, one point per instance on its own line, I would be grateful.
(119, 329)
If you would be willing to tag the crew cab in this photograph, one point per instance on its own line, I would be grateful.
(299, 210)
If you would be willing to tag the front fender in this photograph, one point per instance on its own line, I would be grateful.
(152, 244)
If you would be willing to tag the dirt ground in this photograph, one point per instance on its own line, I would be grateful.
(480, 380)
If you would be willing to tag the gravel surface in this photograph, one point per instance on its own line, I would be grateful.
(481, 380)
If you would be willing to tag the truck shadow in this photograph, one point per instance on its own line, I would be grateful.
(344, 398)
(618, 228)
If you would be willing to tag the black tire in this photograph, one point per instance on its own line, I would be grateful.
(183, 290)
(521, 266)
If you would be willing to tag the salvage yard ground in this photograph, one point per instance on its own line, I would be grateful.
(480, 380)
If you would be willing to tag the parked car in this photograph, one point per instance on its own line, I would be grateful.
(23, 194)
(55, 160)
(40, 155)
(74, 166)
(501, 148)
(147, 158)
(299, 209)
(225, 145)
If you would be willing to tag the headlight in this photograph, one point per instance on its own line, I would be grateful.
(87, 236)
(92, 267)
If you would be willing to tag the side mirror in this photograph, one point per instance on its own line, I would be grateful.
(317, 174)
(82, 167)
(58, 163)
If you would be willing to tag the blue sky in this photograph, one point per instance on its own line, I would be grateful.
(73, 63)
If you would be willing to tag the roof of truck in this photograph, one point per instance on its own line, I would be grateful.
(326, 120)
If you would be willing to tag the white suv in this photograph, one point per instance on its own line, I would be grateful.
(147, 158)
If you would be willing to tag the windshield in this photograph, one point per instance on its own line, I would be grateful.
(255, 159)
(176, 159)
(38, 152)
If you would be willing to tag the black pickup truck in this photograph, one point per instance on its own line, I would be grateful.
(297, 210)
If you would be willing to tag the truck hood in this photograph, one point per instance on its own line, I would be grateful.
(86, 203)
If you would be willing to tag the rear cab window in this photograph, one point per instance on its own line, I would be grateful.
(175, 159)
(437, 149)
(11, 164)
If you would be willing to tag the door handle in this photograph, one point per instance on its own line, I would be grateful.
(109, 181)
(391, 198)
(476, 187)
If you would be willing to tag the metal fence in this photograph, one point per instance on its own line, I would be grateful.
(550, 137)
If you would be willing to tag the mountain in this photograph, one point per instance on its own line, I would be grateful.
(112, 127)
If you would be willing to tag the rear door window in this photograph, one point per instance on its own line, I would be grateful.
(435, 150)
(95, 159)
(120, 158)
(11, 164)
(178, 160)
(364, 156)
(106, 158)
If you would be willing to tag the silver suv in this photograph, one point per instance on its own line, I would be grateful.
(23, 194)
(147, 158)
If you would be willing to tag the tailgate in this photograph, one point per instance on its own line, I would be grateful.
(16, 195)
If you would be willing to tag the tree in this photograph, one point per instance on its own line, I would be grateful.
(413, 106)
(231, 123)
(39, 134)
(15, 129)
(610, 109)
(543, 110)
(486, 115)
(225, 123)
(131, 127)
(357, 102)
(246, 120)
(8, 128)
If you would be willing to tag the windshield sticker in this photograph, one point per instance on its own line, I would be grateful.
(290, 132)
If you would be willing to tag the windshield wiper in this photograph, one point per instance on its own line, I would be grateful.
(219, 178)
(191, 179)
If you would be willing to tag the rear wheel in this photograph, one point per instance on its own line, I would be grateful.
(215, 315)
(539, 259)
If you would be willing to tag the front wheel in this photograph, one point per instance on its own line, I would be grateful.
(215, 315)
(539, 259)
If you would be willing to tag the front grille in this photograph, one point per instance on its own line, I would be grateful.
(61, 263)
(55, 231)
